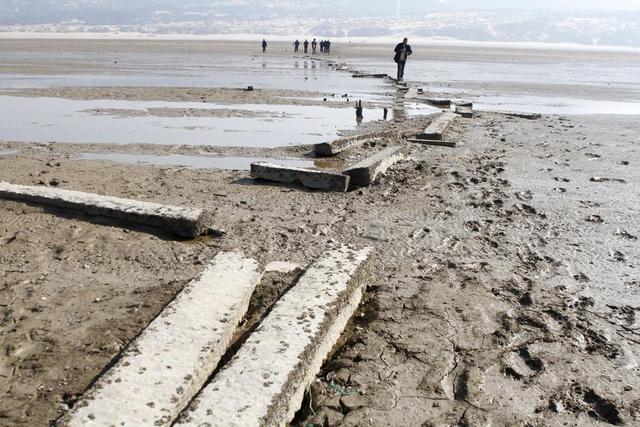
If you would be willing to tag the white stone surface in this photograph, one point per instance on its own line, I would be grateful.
(439, 126)
(283, 267)
(264, 384)
(310, 178)
(366, 171)
(185, 222)
(170, 361)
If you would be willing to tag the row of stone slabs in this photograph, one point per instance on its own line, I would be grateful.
(361, 174)
(161, 378)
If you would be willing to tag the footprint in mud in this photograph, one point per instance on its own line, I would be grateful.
(592, 155)
(625, 235)
(524, 195)
(581, 277)
(596, 219)
(560, 190)
(472, 226)
(576, 399)
(624, 163)
(589, 204)
(617, 256)
(555, 178)
(605, 179)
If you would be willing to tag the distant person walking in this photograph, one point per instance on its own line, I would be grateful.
(314, 46)
(296, 45)
(327, 47)
(403, 51)
(264, 46)
(306, 46)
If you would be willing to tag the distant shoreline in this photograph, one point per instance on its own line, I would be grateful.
(420, 41)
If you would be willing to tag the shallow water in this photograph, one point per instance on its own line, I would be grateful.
(62, 120)
(194, 162)
(165, 70)
(550, 105)
(483, 83)
(95, 121)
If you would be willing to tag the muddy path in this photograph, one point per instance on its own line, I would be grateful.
(505, 291)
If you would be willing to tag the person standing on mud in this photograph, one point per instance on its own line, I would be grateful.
(264, 45)
(403, 51)
(296, 45)
(327, 47)
(306, 46)
(314, 46)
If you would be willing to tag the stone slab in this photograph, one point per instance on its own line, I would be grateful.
(439, 126)
(528, 116)
(309, 178)
(373, 76)
(435, 142)
(181, 221)
(283, 267)
(332, 148)
(265, 382)
(465, 111)
(442, 103)
(171, 360)
(366, 171)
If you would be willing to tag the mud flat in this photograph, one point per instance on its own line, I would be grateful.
(505, 283)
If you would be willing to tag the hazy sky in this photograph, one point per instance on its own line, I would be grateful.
(531, 4)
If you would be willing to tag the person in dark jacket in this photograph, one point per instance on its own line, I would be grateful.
(403, 51)
(264, 45)
(296, 45)
(306, 46)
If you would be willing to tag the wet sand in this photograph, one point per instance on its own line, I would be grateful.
(506, 283)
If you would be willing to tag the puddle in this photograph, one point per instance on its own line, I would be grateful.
(186, 70)
(70, 121)
(544, 105)
(193, 162)
(569, 87)
(140, 122)
(9, 152)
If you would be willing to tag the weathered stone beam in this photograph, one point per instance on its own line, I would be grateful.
(181, 221)
(369, 75)
(366, 171)
(436, 142)
(171, 360)
(441, 103)
(332, 148)
(309, 178)
(439, 126)
(528, 116)
(265, 382)
(339, 145)
(465, 110)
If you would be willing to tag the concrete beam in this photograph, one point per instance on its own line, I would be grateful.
(365, 172)
(435, 142)
(440, 103)
(465, 110)
(309, 178)
(265, 382)
(528, 116)
(369, 75)
(181, 221)
(439, 126)
(332, 148)
(171, 360)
